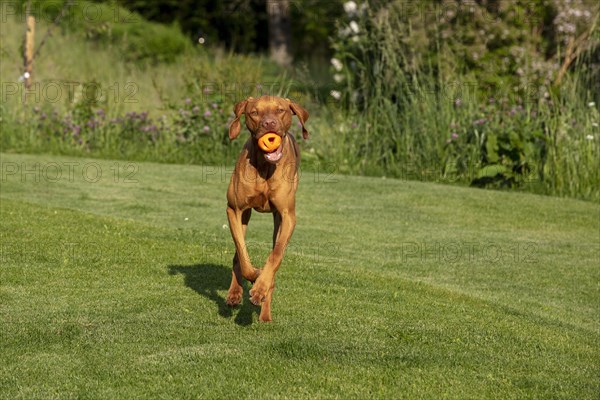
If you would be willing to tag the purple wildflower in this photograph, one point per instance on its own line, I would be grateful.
(149, 128)
(454, 136)
(196, 109)
(207, 113)
(206, 129)
(480, 121)
(188, 101)
(457, 102)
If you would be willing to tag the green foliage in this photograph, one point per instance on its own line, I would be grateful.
(405, 103)
(313, 23)
(506, 145)
(108, 23)
(451, 96)
(148, 41)
(236, 24)
(242, 25)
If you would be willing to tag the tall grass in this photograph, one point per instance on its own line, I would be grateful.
(422, 117)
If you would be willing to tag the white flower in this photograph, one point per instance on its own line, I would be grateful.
(225, 226)
(335, 94)
(186, 219)
(589, 137)
(591, 104)
(355, 39)
(350, 7)
(595, 124)
(338, 78)
(337, 64)
(354, 27)
(344, 33)
(26, 75)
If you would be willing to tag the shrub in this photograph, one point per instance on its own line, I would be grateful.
(420, 76)
(110, 24)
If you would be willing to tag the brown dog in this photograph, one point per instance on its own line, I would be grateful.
(266, 182)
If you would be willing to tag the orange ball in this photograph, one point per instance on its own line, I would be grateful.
(269, 142)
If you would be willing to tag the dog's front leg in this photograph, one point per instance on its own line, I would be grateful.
(262, 290)
(236, 227)
(236, 290)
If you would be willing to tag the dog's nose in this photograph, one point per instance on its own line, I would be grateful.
(269, 124)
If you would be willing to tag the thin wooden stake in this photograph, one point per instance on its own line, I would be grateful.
(29, 47)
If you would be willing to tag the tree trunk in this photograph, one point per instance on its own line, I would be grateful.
(278, 12)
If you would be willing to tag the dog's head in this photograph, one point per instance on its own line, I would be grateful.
(268, 114)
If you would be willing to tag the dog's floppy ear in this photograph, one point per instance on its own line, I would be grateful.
(236, 127)
(302, 115)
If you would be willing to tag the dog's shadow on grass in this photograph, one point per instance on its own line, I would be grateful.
(207, 280)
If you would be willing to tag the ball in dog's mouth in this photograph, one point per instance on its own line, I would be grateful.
(269, 142)
(272, 146)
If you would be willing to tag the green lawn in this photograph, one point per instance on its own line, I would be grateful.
(114, 277)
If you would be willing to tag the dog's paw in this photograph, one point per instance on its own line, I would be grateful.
(259, 291)
(265, 318)
(234, 298)
(257, 296)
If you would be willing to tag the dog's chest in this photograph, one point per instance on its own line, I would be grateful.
(259, 201)
(260, 197)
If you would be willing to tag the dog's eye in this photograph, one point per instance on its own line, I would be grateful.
(280, 110)
(254, 113)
